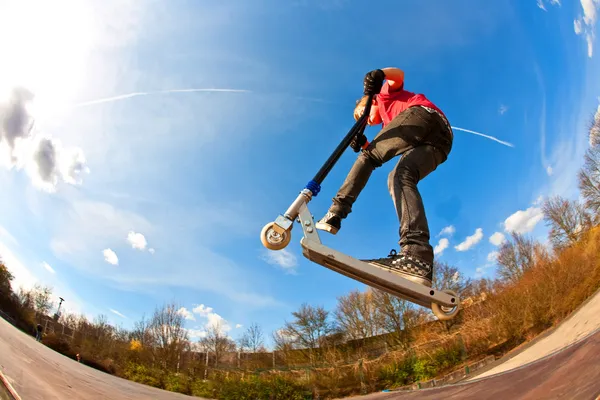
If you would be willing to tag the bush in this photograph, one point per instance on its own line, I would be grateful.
(256, 388)
(144, 375)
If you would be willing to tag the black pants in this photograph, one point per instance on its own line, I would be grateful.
(424, 141)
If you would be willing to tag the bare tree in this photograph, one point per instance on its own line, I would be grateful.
(567, 220)
(283, 341)
(516, 257)
(449, 277)
(169, 335)
(589, 180)
(399, 317)
(358, 316)
(594, 131)
(310, 328)
(252, 339)
(141, 332)
(217, 342)
(42, 298)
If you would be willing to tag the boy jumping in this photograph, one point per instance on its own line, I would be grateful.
(412, 126)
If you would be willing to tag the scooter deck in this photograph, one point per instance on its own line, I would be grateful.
(374, 276)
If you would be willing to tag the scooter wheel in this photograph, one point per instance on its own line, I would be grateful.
(272, 239)
(445, 313)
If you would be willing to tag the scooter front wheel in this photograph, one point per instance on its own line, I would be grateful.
(274, 240)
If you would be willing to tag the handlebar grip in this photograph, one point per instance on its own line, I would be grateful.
(364, 146)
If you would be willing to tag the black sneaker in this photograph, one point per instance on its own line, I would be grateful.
(330, 223)
(406, 265)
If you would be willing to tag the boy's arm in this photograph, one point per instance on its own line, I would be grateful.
(395, 77)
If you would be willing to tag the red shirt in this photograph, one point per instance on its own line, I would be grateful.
(390, 104)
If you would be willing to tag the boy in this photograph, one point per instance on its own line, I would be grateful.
(416, 129)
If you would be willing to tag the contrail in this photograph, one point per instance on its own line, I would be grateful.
(486, 136)
(135, 94)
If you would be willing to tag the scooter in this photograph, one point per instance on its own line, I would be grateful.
(276, 235)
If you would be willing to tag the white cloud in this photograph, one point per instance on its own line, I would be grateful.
(202, 310)
(213, 320)
(523, 221)
(441, 246)
(137, 240)
(470, 241)
(196, 333)
(48, 267)
(502, 109)
(151, 250)
(44, 158)
(585, 25)
(283, 258)
(110, 257)
(492, 256)
(238, 326)
(216, 321)
(117, 313)
(540, 3)
(497, 238)
(449, 230)
(481, 271)
(549, 170)
(186, 314)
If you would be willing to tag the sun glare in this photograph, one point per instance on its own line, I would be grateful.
(44, 46)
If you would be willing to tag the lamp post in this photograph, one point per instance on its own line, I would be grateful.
(57, 314)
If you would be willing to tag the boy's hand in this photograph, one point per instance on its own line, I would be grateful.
(373, 82)
(358, 142)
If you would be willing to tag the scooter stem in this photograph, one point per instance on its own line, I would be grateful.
(315, 184)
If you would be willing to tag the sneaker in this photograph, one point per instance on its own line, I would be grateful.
(406, 265)
(330, 223)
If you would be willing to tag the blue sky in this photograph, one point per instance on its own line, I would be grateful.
(191, 177)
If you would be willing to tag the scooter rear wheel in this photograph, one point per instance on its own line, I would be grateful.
(445, 313)
(272, 239)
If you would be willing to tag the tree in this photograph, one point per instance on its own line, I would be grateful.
(5, 279)
(283, 341)
(357, 315)
(42, 298)
(594, 131)
(516, 257)
(310, 328)
(589, 180)
(141, 332)
(398, 317)
(216, 341)
(449, 277)
(567, 220)
(252, 339)
(168, 334)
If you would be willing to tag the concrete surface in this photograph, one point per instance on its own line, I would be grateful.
(38, 372)
(580, 324)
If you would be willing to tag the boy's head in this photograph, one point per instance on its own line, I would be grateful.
(374, 117)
